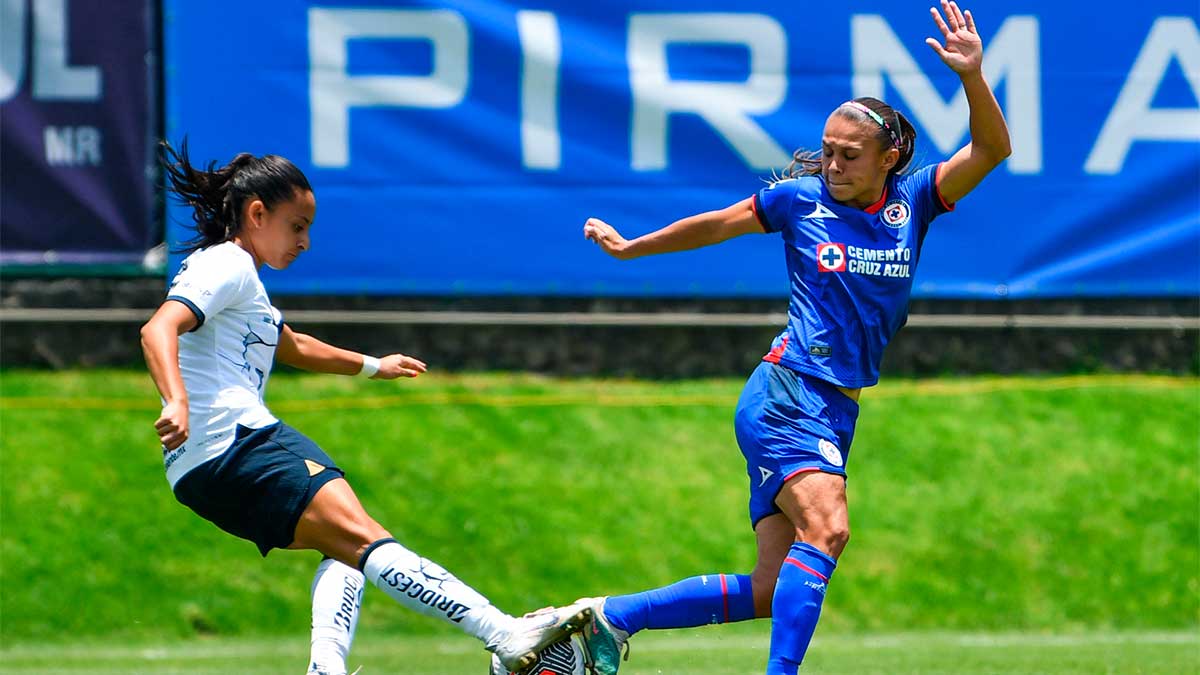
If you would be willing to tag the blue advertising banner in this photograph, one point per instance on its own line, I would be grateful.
(459, 147)
(76, 119)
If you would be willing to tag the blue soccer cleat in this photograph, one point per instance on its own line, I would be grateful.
(603, 642)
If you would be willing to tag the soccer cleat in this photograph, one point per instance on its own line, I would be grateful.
(603, 642)
(530, 634)
(565, 657)
(314, 669)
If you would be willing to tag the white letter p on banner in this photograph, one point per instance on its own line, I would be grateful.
(332, 91)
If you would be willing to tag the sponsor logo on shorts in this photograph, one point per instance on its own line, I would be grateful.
(895, 214)
(766, 474)
(830, 452)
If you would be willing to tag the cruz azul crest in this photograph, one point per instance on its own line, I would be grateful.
(895, 213)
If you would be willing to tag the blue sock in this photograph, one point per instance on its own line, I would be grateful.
(712, 598)
(796, 606)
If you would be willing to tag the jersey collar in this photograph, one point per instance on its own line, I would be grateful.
(874, 208)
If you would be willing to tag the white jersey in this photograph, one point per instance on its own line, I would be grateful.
(226, 359)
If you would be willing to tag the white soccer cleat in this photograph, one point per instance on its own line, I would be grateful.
(565, 657)
(603, 642)
(518, 649)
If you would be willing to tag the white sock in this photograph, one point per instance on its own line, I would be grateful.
(336, 598)
(426, 587)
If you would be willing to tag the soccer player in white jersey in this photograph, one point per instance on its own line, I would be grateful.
(852, 225)
(210, 348)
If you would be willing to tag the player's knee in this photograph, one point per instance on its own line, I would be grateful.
(368, 532)
(830, 536)
(837, 539)
(361, 540)
(358, 533)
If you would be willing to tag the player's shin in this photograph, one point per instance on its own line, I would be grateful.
(336, 598)
(796, 606)
(697, 601)
(426, 587)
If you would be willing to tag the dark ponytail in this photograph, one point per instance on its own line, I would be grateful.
(217, 195)
(804, 163)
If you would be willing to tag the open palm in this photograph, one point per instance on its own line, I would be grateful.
(963, 51)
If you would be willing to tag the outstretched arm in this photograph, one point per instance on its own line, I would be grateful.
(989, 144)
(695, 231)
(308, 353)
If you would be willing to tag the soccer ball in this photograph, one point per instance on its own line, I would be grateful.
(565, 657)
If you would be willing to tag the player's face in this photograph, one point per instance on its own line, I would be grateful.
(280, 234)
(853, 164)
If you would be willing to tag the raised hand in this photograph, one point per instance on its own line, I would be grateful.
(963, 51)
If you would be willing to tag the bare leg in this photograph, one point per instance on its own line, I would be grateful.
(775, 535)
(815, 503)
(336, 524)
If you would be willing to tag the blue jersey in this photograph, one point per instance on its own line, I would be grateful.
(851, 271)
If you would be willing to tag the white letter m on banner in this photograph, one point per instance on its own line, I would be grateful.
(1013, 54)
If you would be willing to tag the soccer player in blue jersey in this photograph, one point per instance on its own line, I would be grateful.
(210, 348)
(852, 222)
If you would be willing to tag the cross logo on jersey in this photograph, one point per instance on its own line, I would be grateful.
(831, 257)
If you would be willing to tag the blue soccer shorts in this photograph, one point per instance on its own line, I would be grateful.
(788, 423)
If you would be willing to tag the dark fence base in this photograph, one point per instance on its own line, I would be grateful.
(643, 351)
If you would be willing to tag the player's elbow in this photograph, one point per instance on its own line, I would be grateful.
(1004, 151)
(149, 334)
(985, 158)
(998, 150)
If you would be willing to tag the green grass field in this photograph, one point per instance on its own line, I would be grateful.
(1014, 525)
(725, 650)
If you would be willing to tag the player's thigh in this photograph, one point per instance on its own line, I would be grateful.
(336, 524)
